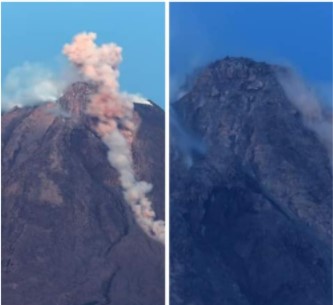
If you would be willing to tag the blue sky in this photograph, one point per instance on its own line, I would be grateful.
(36, 32)
(296, 34)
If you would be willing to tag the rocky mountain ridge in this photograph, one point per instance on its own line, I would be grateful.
(251, 217)
(68, 235)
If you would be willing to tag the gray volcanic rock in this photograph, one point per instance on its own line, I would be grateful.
(68, 236)
(251, 217)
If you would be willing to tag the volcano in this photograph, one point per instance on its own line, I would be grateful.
(68, 235)
(251, 213)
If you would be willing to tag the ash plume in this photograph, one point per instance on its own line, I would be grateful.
(116, 121)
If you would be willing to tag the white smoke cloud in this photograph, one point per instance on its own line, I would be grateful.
(30, 84)
(314, 115)
(116, 123)
(33, 83)
(136, 98)
(57, 111)
(186, 141)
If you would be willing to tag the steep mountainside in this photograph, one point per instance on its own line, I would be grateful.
(68, 236)
(250, 216)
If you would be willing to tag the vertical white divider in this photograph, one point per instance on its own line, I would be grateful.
(167, 156)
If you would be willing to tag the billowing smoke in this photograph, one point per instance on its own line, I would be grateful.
(315, 116)
(116, 122)
(30, 84)
(33, 83)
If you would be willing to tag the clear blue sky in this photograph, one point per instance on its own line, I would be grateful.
(297, 34)
(36, 32)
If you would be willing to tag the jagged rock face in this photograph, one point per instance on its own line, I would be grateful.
(68, 236)
(251, 218)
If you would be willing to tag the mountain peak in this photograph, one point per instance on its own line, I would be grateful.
(238, 71)
(244, 67)
(226, 79)
(265, 175)
(76, 98)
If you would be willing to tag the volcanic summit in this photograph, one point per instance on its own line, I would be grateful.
(68, 235)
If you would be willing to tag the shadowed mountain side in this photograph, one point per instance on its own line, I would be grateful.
(250, 218)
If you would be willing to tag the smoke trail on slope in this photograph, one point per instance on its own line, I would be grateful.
(116, 124)
(189, 144)
(310, 107)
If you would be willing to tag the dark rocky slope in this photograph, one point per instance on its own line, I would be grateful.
(251, 217)
(68, 236)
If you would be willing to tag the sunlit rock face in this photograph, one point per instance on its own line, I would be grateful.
(68, 236)
(251, 216)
